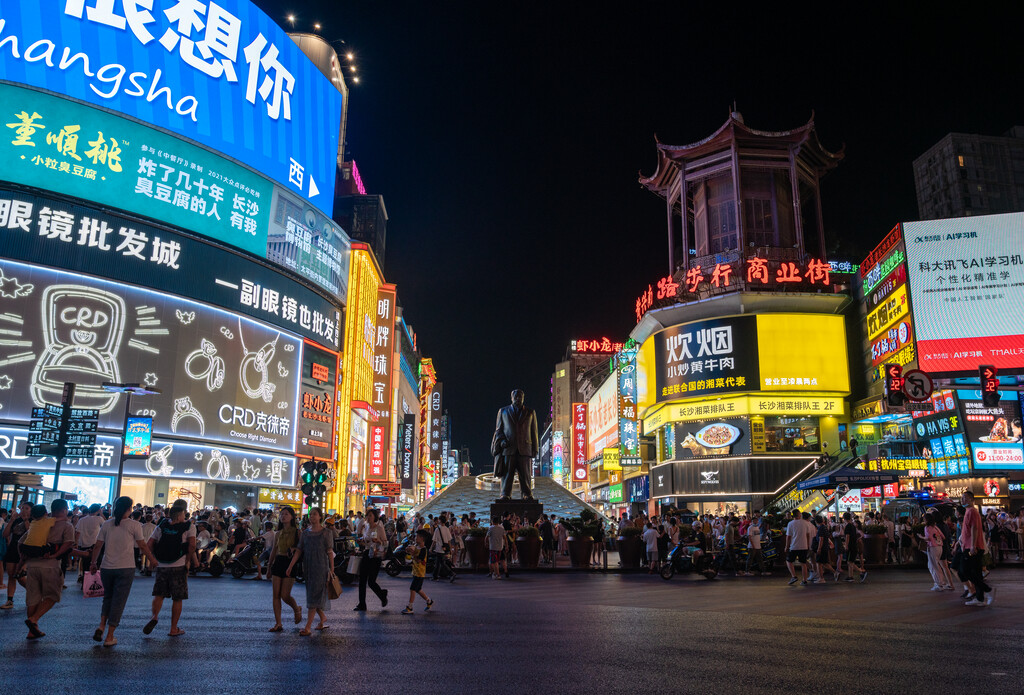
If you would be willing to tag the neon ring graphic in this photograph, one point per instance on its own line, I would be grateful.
(214, 372)
(183, 408)
(218, 466)
(259, 362)
(159, 463)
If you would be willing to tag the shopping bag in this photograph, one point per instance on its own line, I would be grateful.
(353, 564)
(333, 587)
(92, 585)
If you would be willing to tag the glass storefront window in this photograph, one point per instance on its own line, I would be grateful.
(792, 434)
(141, 490)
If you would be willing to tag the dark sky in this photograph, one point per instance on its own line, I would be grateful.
(506, 139)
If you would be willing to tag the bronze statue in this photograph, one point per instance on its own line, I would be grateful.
(514, 446)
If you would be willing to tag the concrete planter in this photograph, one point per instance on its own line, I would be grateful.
(528, 550)
(631, 549)
(580, 550)
(476, 550)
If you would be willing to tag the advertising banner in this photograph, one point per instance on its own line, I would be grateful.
(383, 397)
(221, 73)
(705, 357)
(557, 454)
(317, 407)
(223, 377)
(59, 145)
(610, 459)
(767, 404)
(891, 341)
(581, 446)
(38, 229)
(638, 489)
(726, 437)
(212, 463)
(407, 449)
(276, 495)
(602, 419)
(629, 423)
(995, 433)
(435, 412)
(802, 352)
(891, 310)
(138, 437)
(308, 243)
(967, 284)
(896, 278)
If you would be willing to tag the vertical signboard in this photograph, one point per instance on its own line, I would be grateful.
(557, 454)
(889, 325)
(316, 414)
(407, 447)
(629, 434)
(436, 424)
(579, 449)
(383, 365)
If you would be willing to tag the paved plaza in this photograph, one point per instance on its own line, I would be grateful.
(544, 633)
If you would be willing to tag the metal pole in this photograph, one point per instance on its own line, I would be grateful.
(124, 433)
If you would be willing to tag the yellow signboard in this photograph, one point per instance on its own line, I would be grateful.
(276, 495)
(891, 310)
(610, 459)
(796, 404)
(757, 438)
(802, 352)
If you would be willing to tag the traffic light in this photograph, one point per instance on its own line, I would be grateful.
(894, 385)
(320, 479)
(309, 482)
(989, 385)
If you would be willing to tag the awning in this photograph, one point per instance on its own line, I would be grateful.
(854, 477)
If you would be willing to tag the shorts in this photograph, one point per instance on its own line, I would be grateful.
(42, 582)
(417, 584)
(13, 555)
(495, 557)
(265, 556)
(652, 556)
(280, 567)
(850, 556)
(797, 556)
(823, 557)
(171, 582)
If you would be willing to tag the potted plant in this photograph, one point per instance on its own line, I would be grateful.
(476, 547)
(581, 538)
(876, 542)
(630, 547)
(528, 547)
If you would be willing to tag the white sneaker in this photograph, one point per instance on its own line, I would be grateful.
(974, 602)
(991, 596)
(936, 587)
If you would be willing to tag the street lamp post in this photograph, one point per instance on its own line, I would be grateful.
(128, 390)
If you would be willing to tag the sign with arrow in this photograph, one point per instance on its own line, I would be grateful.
(917, 385)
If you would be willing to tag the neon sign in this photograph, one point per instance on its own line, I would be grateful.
(751, 273)
(602, 346)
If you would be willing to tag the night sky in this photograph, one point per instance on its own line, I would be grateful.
(506, 140)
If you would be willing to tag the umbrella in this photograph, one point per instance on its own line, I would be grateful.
(854, 477)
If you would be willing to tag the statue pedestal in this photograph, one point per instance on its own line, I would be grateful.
(530, 511)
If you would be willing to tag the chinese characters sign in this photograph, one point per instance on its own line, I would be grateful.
(56, 144)
(967, 286)
(317, 407)
(579, 448)
(629, 421)
(751, 274)
(83, 239)
(221, 73)
(435, 415)
(602, 346)
(383, 366)
(308, 243)
(706, 357)
(557, 454)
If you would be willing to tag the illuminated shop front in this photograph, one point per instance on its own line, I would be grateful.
(769, 398)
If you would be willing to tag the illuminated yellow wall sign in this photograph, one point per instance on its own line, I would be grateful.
(802, 352)
(888, 312)
(757, 438)
(796, 404)
(610, 459)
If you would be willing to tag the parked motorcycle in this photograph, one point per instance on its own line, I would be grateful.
(397, 561)
(681, 560)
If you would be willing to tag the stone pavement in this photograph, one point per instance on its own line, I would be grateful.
(543, 633)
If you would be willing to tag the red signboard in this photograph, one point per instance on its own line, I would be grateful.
(383, 359)
(579, 442)
(604, 346)
(891, 239)
(897, 337)
(750, 273)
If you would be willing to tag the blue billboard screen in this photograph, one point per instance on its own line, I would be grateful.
(221, 73)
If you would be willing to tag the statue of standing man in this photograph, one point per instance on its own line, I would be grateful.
(514, 446)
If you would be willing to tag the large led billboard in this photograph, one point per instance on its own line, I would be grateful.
(603, 418)
(221, 73)
(223, 377)
(967, 288)
(60, 145)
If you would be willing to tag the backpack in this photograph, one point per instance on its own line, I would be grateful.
(171, 547)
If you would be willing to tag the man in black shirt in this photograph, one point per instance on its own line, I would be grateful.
(547, 537)
(852, 538)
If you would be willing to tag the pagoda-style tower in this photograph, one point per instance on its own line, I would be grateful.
(741, 192)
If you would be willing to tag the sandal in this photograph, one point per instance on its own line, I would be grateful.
(276, 628)
(321, 626)
(98, 635)
(110, 642)
(148, 628)
(176, 633)
(304, 632)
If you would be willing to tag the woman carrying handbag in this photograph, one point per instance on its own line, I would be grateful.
(374, 543)
(316, 548)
